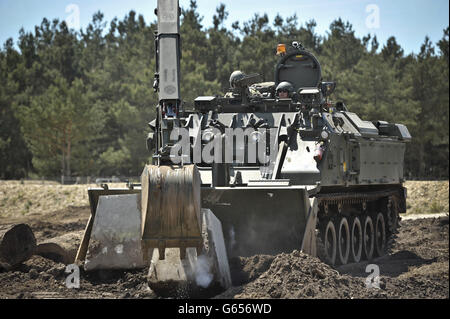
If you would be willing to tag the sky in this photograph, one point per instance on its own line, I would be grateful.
(408, 20)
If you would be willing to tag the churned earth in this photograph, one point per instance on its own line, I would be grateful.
(416, 267)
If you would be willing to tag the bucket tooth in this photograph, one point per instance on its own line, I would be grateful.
(162, 249)
(183, 247)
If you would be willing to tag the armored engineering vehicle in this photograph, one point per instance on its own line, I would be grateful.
(279, 164)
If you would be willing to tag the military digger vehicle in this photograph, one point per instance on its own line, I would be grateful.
(267, 168)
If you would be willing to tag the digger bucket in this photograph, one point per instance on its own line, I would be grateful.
(191, 254)
(170, 209)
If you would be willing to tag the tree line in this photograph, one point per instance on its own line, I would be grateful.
(78, 103)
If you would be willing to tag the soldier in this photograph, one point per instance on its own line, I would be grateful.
(284, 90)
(171, 112)
(236, 76)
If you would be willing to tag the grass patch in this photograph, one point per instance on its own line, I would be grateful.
(28, 204)
(5, 200)
(427, 197)
(435, 208)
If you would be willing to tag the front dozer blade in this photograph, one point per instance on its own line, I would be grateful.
(262, 220)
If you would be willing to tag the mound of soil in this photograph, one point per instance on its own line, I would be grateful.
(297, 275)
(416, 268)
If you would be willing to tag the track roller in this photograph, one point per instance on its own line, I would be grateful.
(380, 235)
(343, 241)
(368, 238)
(329, 240)
(356, 239)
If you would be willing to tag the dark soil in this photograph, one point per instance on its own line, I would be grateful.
(417, 267)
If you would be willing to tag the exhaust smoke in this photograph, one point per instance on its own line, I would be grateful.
(203, 275)
(232, 235)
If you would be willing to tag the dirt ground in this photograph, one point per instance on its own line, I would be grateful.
(417, 266)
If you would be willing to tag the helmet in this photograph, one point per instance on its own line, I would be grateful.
(285, 86)
(234, 77)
